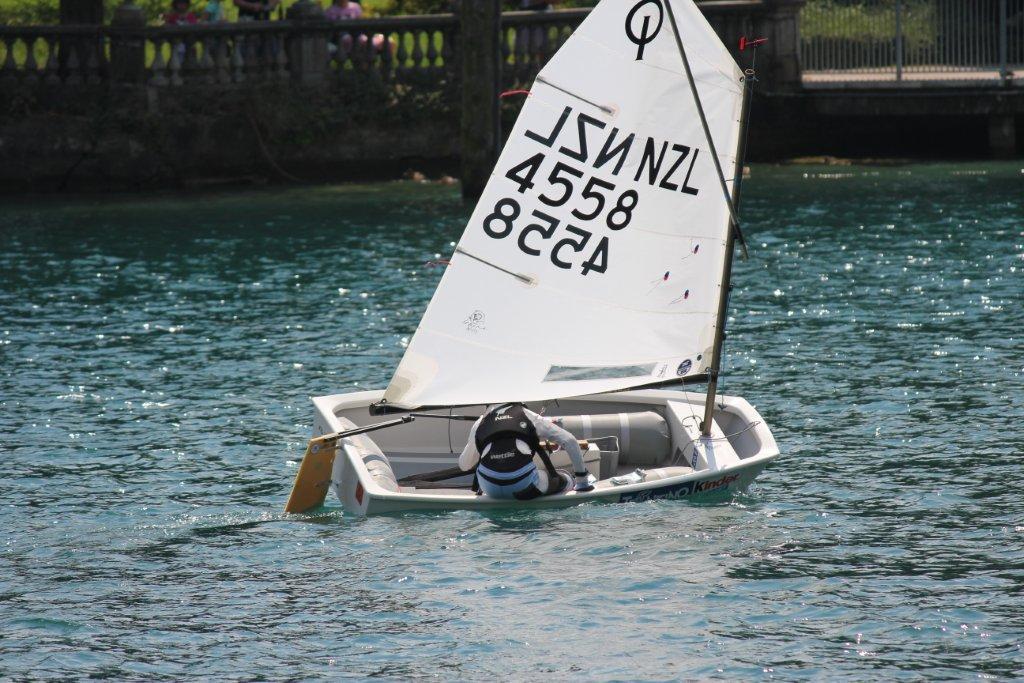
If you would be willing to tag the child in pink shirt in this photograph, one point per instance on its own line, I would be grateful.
(180, 14)
(343, 9)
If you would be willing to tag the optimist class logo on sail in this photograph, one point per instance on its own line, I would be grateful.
(586, 193)
(646, 35)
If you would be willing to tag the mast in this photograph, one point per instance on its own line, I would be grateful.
(730, 243)
(733, 203)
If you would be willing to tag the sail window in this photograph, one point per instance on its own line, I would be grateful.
(568, 373)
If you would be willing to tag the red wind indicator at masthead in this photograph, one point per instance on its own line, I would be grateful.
(746, 42)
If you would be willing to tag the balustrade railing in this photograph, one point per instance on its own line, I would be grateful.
(404, 49)
(210, 55)
(411, 49)
(52, 55)
(913, 39)
(840, 39)
(528, 39)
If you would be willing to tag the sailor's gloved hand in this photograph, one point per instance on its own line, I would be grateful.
(583, 482)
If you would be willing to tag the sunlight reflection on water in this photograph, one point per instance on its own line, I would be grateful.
(156, 360)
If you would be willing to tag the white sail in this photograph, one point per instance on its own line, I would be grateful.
(593, 260)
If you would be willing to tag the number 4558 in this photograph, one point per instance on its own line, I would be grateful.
(501, 223)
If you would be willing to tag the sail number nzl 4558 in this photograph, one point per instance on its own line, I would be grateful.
(598, 202)
(572, 239)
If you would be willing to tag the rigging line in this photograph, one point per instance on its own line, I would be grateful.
(704, 123)
(726, 437)
(519, 276)
(605, 108)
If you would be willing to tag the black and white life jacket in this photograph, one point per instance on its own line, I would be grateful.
(504, 468)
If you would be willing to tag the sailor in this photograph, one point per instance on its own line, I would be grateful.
(502, 445)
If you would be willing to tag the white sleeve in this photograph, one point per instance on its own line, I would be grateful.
(546, 429)
(470, 457)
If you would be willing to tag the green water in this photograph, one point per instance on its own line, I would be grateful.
(156, 360)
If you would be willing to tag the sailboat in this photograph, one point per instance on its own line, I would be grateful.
(591, 283)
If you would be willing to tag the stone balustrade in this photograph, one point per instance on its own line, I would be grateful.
(305, 48)
(220, 54)
(528, 39)
(131, 103)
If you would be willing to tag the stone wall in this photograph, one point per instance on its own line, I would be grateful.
(135, 139)
(128, 106)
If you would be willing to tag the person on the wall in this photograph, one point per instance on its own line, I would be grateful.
(344, 10)
(180, 14)
(261, 49)
(255, 11)
(213, 12)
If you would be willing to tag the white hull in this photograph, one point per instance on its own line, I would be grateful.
(742, 446)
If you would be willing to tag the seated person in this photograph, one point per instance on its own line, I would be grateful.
(214, 11)
(502, 445)
(256, 11)
(180, 14)
(341, 10)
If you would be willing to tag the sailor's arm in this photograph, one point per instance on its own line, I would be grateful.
(547, 429)
(470, 456)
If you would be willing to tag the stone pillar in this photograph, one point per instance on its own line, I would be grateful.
(307, 48)
(128, 48)
(480, 57)
(1002, 136)
(783, 51)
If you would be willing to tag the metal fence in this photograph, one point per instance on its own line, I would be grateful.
(923, 40)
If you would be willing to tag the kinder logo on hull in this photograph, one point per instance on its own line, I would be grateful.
(684, 490)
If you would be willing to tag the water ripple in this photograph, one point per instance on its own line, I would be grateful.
(156, 360)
